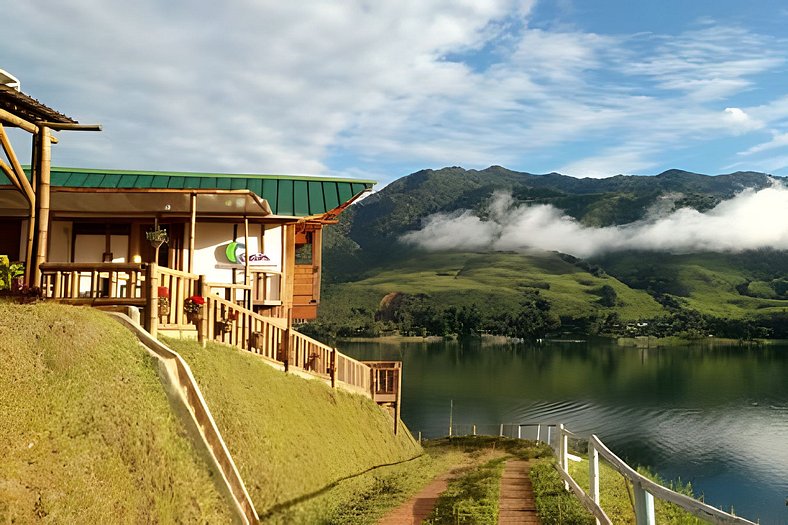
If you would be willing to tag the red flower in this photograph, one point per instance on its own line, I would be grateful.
(164, 292)
(197, 299)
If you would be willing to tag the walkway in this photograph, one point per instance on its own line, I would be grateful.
(417, 508)
(516, 504)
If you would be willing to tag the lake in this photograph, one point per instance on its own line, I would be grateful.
(716, 417)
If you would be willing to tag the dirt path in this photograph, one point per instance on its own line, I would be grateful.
(417, 508)
(516, 504)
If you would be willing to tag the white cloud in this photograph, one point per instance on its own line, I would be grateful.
(258, 85)
(750, 220)
(778, 140)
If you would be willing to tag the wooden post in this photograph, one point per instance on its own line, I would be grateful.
(644, 505)
(333, 367)
(202, 325)
(286, 339)
(593, 474)
(192, 231)
(42, 200)
(317, 262)
(451, 415)
(398, 409)
(247, 293)
(152, 299)
(288, 265)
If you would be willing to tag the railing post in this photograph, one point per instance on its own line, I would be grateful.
(644, 505)
(563, 445)
(202, 325)
(333, 368)
(519, 431)
(500, 434)
(593, 473)
(152, 299)
(538, 432)
(474, 430)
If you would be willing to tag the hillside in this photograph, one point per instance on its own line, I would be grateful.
(86, 429)
(89, 436)
(368, 233)
(366, 258)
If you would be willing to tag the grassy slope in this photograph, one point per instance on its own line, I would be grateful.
(496, 280)
(705, 282)
(86, 429)
(290, 437)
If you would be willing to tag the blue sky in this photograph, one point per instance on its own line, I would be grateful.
(379, 89)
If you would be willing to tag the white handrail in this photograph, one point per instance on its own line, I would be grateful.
(643, 484)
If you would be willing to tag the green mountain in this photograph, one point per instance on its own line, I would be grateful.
(366, 260)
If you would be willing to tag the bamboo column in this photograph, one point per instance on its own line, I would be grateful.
(247, 293)
(192, 231)
(44, 154)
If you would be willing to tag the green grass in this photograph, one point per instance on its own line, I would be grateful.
(294, 440)
(86, 430)
(554, 504)
(472, 497)
(494, 281)
(615, 495)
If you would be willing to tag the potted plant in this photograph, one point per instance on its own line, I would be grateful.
(193, 308)
(157, 237)
(164, 301)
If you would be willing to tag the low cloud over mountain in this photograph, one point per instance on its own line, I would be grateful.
(752, 219)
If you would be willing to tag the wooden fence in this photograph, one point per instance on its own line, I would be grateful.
(94, 283)
(162, 292)
(645, 490)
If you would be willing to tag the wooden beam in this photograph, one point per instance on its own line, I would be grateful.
(11, 174)
(12, 119)
(70, 126)
(20, 173)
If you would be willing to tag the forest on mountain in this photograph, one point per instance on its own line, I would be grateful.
(378, 280)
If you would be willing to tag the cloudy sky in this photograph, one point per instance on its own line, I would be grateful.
(381, 88)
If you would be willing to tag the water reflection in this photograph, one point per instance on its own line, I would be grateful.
(717, 417)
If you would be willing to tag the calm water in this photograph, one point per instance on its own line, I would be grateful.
(715, 417)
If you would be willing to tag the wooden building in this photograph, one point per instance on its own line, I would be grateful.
(222, 257)
(261, 231)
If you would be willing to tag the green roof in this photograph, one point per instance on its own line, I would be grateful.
(292, 195)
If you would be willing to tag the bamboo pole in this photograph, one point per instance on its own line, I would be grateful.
(42, 200)
(10, 118)
(192, 230)
(12, 177)
(15, 164)
(70, 126)
(247, 293)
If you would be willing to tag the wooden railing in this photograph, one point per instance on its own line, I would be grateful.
(178, 285)
(264, 282)
(161, 292)
(229, 323)
(94, 283)
(311, 355)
